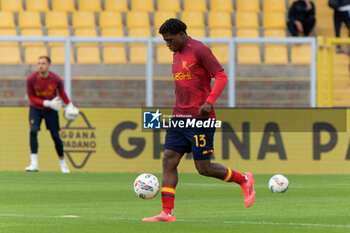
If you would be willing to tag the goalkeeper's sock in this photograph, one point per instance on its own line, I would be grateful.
(233, 176)
(62, 162)
(168, 198)
(34, 159)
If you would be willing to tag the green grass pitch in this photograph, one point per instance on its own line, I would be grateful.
(48, 202)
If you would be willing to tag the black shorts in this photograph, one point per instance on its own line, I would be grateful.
(51, 119)
(199, 141)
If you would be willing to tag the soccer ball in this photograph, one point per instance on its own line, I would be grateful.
(278, 184)
(71, 113)
(146, 186)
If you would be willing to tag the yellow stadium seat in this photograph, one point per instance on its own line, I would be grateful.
(221, 5)
(87, 55)
(142, 5)
(11, 5)
(220, 32)
(89, 5)
(169, 5)
(114, 55)
(275, 33)
(139, 32)
(10, 55)
(86, 32)
(195, 5)
(29, 19)
(161, 16)
(32, 32)
(274, 6)
(37, 5)
(276, 55)
(301, 54)
(8, 32)
(83, 19)
(248, 6)
(57, 55)
(219, 19)
(112, 32)
(137, 19)
(116, 5)
(31, 54)
(6, 20)
(221, 53)
(58, 33)
(248, 55)
(164, 55)
(196, 32)
(248, 33)
(138, 54)
(193, 19)
(274, 20)
(111, 19)
(63, 5)
(56, 19)
(247, 20)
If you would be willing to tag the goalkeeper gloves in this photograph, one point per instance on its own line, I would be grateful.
(55, 104)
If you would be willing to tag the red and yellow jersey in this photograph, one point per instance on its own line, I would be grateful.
(193, 67)
(40, 89)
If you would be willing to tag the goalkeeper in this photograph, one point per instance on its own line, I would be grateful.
(43, 88)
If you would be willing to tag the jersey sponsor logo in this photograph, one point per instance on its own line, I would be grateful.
(182, 76)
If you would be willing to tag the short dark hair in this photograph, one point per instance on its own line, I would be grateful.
(173, 26)
(47, 59)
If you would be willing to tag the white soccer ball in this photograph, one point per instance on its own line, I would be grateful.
(71, 113)
(278, 184)
(146, 186)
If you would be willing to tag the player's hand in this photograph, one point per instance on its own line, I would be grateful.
(205, 109)
(299, 25)
(55, 104)
(70, 105)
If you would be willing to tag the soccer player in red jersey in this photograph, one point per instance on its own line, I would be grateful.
(193, 67)
(43, 88)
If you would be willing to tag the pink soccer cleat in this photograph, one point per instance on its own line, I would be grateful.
(248, 190)
(163, 217)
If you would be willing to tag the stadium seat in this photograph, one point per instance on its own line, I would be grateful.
(276, 55)
(196, 32)
(169, 6)
(274, 20)
(8, 32)
(219, 19)
(111, 19)
(275, 33)
(56, 19)
(11, 5)
(160, 17)
(248, 6)
(137, 20)
(88, 55)
(83, 19)
(164, 55)
(28, 19)
(142, 5)
(112, 32)
(114, 55)
(138, 54)
(248, 54)
(301, 54)
(195, 5)
(86, 32)
(32, 32)
(193, 19)
(221, 51)
(274, 6)
(58, 33)
(247, 20)
(89, 5)
(116, 5)
(10, 55)
(63, 5)
(221, 5)
(7, 20)
(37, 5)
(57, 55)
(31, 54)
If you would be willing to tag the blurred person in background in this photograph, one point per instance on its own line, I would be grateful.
(301, 17)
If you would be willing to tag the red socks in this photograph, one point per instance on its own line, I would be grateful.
(232, 176)
(168, 198)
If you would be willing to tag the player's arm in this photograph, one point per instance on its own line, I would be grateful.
(63, 95)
